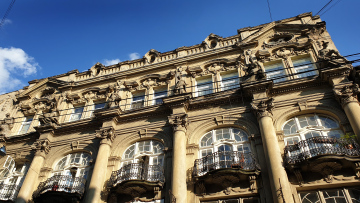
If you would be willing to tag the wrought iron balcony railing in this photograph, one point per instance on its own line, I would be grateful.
(9, 192)
(225, 159)
(137, 171)
(62, 183)
(317, 146)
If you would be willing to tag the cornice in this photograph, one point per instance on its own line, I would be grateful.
(142, 113)
(295, 85)
(76, 126)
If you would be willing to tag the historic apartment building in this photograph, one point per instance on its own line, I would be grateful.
(268, 115)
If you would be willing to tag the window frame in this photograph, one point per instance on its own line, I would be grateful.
(232, 79)
(322, 198)
(162, 93)
(73, 113)
(27, 122)
(205, 82)
(134, 104)
(302, 66)
(68, 165)
(279, 66)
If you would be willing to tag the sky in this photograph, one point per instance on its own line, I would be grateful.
(43, 38)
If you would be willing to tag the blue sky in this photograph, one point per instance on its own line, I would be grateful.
(42, 38)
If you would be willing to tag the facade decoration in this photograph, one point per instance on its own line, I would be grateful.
(199, 121)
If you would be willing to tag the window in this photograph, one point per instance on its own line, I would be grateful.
(138, 152)
(229, 81)
(97, 106)
(316, 131)
(25, 125)
(304, 67)
(275, 71)
(343, 195)
(76, 114)
(11, 178)
(159, 94)
(204, 86)
(138, 100)
(224, 148)
(237, 200)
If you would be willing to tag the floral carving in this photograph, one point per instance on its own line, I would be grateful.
(42, 146)
(347, 94)
(263, 108)
(179, 122)
(106, 134)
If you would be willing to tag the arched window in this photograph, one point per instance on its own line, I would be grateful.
(309, 126)
(75, 165)
(11, 177)
(148, 152)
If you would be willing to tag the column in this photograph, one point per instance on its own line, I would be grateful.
(280, 186)
(347, 96)
(178, 181)
(107, 136)
(42, 148)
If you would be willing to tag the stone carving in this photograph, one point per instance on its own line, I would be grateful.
(6, 125)
(179, 122)
(263, 108)
(106, 134)
(357, 169)
(143, 133)
(96, 69)
(279, 39)
(253, 71)
(284, 52)
(151, 56)
(72, 98)
(42, 146)
(347, 94)
(252, 180)
(50, 117)
(112, 95)
(326, 169)
(180, 84)
(194, 71)
(330, 57)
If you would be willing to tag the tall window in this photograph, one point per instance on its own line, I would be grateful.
(76, 114)
(138, 100)
(25, 125)
(275, 71)
(304, 67)
(11, 178)
(229, 81)
(159, 94)
(204, 86)
(350, 195)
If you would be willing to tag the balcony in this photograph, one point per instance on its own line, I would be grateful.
(321, 146)
(8, 192)
(221, 170)
(60, 188)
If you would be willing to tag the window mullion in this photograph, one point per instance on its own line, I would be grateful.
(321, 195)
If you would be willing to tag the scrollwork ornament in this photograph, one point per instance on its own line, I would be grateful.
(42, 147)
(179, 122)
(347, 94)
(106, 134)
(263, 108)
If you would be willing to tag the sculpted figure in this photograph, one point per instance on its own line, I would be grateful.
(6, 124)
(180, 86)
(254, 70)
(331, 56)
(113, 97)
(50, 117)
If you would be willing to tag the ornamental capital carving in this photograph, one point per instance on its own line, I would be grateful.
(347, 94)
(179, 122)
(106, 134)
(42, 147)
(263, 108)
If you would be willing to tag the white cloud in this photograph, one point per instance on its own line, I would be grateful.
(134, 56)
(111, 62)
(14, 62)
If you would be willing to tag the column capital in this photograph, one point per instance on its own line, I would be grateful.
(179, 122)
(347, 93)
(42, 147)
(263, 108)
(106, 134)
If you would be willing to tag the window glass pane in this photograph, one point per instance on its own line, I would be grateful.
(207, 140)
(240, 135)
(129, 153)
(204, 86)
(328, 122)
(250, 200)
(243, 148)
(61, 164)
(335, 134)
(307, 120)
(334, 196)
(304, 67)
(291, 141)
(158, 95)
(144, 146)
(312, 134)
(76, 115)
(223, 148)
(157, 147)
(99, 106)
(79, 110)
(276, 72)
(309, 197)
(206, 152)
(158, 160)
(223, 133)
(25, 125)
(229, 81)
(290, 127)
(355, 195)
(230, 201)
(138, 100)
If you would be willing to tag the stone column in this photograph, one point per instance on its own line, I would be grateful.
(42, 148)
(178, 181)
(280, 186)
(347, 96)
(107, 136)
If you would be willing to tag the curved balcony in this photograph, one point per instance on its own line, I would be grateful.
(139, 172)
(321, 146)
(68, 188)
(8, 192)
(225, 160)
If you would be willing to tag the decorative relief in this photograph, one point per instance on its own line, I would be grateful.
(194, 71)
(326, 169)
(42, 146)
(180, 84)
(279, 39)
(347, 94)
(330, 57)
(143, 133)
(179, 122)
(263, 108)
(253, 70)
(106, 134)
(6, 125)
(252, 180)
(112, 95)
(302, 105)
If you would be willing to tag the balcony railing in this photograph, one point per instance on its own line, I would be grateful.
(317, 146)
(225, 159)
(9, 192)
(62, 183)
(137, 171)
